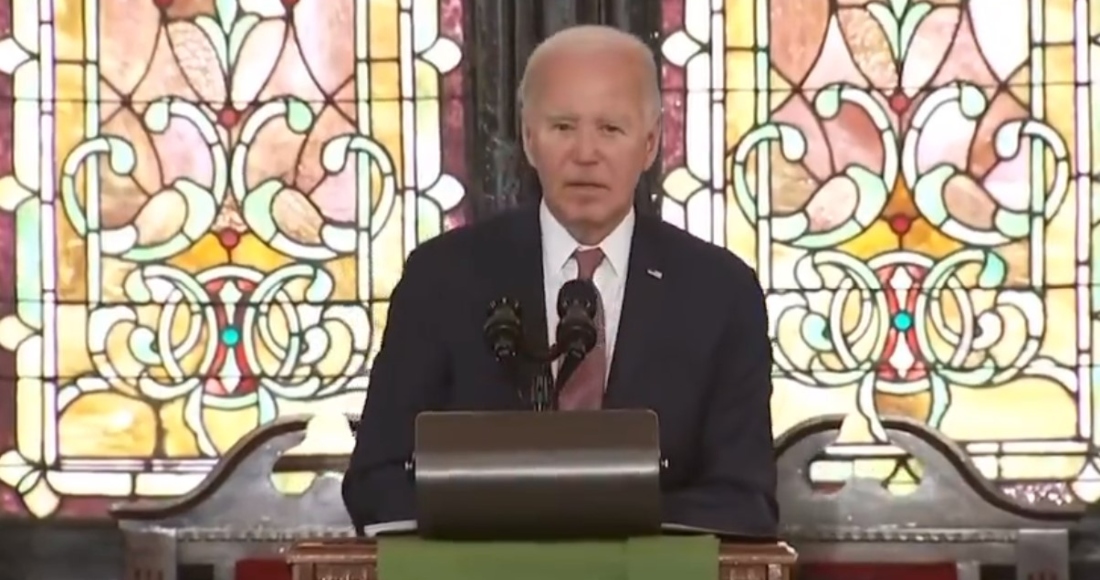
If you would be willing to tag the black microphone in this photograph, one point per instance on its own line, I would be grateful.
(576, 332)
(503, 329)
(503, 332)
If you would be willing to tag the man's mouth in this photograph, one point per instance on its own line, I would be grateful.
(590, 184)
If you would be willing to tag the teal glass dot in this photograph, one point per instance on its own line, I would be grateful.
(903, 321)
(231, 336)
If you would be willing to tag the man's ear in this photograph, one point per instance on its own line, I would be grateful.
(653, 142)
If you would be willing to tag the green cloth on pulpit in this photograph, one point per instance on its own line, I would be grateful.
(644, 558)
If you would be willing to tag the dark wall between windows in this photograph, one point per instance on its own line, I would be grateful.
(501, 35)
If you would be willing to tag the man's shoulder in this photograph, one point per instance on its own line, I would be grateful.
(687, 251)
(716, 279)
(469, 241)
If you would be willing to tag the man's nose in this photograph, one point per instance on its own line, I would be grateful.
(586, 148)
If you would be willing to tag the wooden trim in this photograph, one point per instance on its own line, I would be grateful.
(162, 509)
(365, 552)
(945, 447)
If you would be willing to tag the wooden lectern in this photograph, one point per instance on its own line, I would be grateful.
(356, 559)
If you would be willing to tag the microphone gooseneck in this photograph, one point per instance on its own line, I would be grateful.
(503, 333)
(575, 336)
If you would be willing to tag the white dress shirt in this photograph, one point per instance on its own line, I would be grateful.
(559, 267)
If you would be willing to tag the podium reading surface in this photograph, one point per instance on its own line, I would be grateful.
(357, 559)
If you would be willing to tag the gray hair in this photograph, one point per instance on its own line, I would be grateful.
(594, 38)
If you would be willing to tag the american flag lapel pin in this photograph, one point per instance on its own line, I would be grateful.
(655, 273)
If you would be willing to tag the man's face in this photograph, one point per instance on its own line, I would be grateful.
(589, 133)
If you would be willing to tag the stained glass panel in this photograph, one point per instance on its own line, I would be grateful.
(203, 209)
(913, 180)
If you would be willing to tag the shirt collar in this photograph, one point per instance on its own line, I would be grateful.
(558, 245)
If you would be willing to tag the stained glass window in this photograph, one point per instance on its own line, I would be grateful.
(203, 209)
(914, 182)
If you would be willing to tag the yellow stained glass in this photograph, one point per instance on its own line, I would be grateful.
(912, 181)
(211, 203)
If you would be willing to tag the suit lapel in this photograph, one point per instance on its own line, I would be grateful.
(512, 268)
(525, 279)
(640, 315)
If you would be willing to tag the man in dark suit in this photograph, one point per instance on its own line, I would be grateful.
(682, 323)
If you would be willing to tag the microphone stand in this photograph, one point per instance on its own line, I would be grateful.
(544, 386)
(543, 390)
(541, 378)
(569, 364)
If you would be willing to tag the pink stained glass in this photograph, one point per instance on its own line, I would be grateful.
(451, 15)
(9, 501)
(672, 85)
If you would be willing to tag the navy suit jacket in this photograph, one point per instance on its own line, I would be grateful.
(692, 346)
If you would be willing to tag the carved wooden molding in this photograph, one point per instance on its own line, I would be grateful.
(953, 502)
(237, 501)
(152, 509)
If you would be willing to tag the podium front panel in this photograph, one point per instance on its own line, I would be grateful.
(496, 475)
(358, 560)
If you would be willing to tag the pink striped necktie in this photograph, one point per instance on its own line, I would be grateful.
(585, 388)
